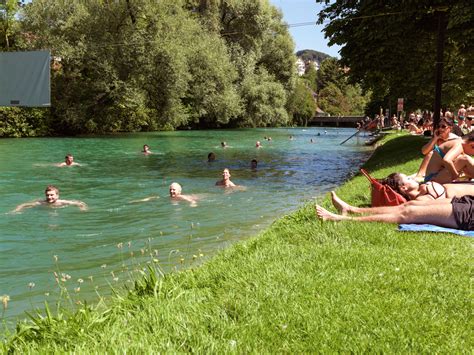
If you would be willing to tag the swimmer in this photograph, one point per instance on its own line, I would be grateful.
(291, 138)
(146, 149)
(258, 144)
(68, 161)
(311, 140)
(253, 164)
(211, 157)
(225, 182)
(52, 199)
(175, 194)
(224, 144)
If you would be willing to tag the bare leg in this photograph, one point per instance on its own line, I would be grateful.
(424, 164)
(344, 207)
(440, 214)
(435, 164)
(465, 164)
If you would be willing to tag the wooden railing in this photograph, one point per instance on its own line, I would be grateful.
(346, 121)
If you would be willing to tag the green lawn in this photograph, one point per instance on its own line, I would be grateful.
(300, 286)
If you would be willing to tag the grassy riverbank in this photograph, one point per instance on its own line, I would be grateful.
(300, 286)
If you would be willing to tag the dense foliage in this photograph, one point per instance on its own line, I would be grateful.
(390, 47)
(335, 94)
(144, 65)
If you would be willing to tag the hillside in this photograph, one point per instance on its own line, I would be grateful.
(310, 54)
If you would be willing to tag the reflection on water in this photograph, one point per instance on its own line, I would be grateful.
(117, 235)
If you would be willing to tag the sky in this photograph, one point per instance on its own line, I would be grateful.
(305, 37)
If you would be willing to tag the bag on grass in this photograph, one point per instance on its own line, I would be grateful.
(383, 195)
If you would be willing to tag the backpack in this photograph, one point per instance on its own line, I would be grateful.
(383, 195)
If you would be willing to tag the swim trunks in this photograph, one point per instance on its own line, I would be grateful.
(463, 210)
(435, 190)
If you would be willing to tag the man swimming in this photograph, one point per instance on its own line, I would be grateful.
(211, 157)
(52, 199)
(225, 182)
(68, 161)
(253, 164)
(146, 149)
(176, 194)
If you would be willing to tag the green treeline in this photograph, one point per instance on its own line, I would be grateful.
(145, 65)
(142, 65)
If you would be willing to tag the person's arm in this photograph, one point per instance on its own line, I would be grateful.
(190, 199)
(428, 147)
(146, 199)
(82, 205)
(23, 206)
(448, 160)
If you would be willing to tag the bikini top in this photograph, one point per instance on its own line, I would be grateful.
(437, 149)
(435, 190)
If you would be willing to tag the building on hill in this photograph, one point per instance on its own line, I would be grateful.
(302, 65)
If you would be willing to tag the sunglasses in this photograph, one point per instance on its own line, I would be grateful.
(443, 126)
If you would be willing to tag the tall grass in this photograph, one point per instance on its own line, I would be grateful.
(300, 286)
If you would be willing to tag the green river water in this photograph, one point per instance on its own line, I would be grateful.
(113, 173)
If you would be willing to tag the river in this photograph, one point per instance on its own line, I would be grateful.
(105, 244)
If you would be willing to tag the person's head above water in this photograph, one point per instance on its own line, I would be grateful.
(146, 148)
(253, 164)
(52, 194)
(258, 144)
(175, 189)
(69, 159)
(211, 157)
(226, 174)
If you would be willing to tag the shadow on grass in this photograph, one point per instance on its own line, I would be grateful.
(395, 152)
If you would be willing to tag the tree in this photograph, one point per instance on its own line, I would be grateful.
(8, 23)
(264, 101)
(301, 105)
(390, 46)
(311, 77)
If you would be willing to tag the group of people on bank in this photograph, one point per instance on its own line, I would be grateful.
(440, 193)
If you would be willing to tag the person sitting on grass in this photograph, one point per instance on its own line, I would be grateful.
(451, 213)
(52, 200)
(450, 160)
(413, 190)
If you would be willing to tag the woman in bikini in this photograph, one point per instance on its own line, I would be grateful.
(416, 194)
(451, 160)
(436, 149)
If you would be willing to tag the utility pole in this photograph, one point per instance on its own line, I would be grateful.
(439, 63)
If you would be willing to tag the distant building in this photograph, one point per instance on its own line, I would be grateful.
(300, 66)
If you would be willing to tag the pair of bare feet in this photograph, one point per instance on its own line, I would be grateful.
(340, 205)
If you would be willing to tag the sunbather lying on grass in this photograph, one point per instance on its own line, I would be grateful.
(412, 190)
(452, 213)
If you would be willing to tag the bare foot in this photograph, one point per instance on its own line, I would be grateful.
(341, 206)
(325, 215)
